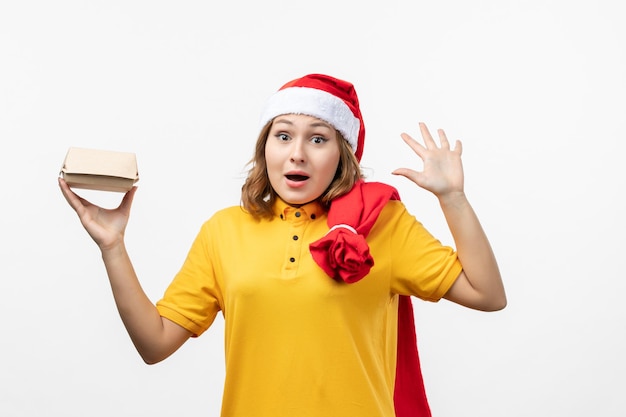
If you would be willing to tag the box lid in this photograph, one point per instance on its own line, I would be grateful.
(101, 162)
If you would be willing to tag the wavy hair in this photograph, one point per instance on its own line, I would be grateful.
(258, 196)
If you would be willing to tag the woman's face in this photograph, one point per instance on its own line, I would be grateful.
(302, 156)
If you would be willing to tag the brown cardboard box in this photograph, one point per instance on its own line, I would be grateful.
(100, 170)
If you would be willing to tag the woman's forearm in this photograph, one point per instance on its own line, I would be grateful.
(474, 251)
(152, 338)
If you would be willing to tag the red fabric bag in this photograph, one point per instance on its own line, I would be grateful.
(343, 254)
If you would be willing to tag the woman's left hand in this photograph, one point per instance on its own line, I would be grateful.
(479, 285)
(443, 171)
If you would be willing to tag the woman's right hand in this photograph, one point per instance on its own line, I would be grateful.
(105, 226)
(155, 337)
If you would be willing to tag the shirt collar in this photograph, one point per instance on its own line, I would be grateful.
(312, 210)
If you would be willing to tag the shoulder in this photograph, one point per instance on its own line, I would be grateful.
(232, 212)
(230, 217)
(394, 209)
(396, 220)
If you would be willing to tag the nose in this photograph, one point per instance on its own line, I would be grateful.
(298, 153)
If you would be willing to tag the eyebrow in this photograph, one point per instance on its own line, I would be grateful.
(321, 124)
(314, 124)
(288, 122)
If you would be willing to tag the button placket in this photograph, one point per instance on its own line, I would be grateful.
(297, 223)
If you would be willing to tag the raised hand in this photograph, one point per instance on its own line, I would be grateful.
(443, 171)
(105, 226)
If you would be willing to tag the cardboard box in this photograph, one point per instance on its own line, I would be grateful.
(100, 170)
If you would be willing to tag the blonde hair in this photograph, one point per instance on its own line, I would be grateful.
(258, 196)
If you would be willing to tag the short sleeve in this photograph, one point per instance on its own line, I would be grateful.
(421, 265)
(193, 298)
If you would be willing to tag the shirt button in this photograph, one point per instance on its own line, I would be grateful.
(295, 237)
(298, 214)
(292, 259)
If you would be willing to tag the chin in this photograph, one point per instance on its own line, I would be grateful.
(297, 200)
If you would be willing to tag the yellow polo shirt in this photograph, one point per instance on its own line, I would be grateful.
(297, 342)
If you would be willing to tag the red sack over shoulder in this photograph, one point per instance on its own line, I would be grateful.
(343, 253)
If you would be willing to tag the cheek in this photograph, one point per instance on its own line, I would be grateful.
(273, 165)
(270, 157)
(330, 168)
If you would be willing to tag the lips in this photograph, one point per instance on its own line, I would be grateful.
(296, 177)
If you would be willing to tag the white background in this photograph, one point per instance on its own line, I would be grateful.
(535, 89)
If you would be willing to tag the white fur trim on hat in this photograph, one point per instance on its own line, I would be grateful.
(316, 103)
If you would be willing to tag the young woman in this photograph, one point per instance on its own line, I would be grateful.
(314, 272)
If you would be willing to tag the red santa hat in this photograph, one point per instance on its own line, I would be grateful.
(330, 99)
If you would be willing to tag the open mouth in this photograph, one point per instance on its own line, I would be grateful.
(297, 177)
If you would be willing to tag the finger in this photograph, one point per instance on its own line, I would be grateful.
(407, 173)
(72, 199)
(458, 147)
(415, 145)
(443, 139)
(428, 139)
(127, 201)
